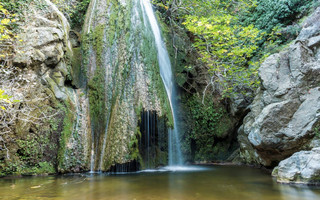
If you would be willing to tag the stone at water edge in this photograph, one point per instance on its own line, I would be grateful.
(301, 168)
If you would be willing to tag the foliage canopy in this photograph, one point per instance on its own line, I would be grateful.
(234, 36)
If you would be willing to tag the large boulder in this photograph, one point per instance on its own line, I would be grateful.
(285, 112)
(302, 167)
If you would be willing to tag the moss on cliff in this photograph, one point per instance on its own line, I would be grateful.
(98, 43)
(118, 53)
(210, 127)
(97, 98)
(34, 151)
(68, 119)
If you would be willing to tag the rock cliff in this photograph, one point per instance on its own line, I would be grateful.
(88, 107)
(123, 80)
(47, 130)
(284, 116)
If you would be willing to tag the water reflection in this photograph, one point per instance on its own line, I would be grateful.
(214, 183)
(297, 192)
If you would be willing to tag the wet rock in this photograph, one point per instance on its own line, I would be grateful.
(301, 167)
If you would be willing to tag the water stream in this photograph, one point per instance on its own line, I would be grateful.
(175, 155)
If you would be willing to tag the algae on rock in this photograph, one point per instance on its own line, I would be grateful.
(123, 78)
(43, 140)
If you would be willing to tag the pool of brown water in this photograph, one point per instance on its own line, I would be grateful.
(196, 183)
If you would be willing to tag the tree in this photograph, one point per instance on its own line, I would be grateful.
(224, 45)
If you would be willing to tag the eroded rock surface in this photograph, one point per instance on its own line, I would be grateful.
(49, 131)
(285, 112)
(123, 80)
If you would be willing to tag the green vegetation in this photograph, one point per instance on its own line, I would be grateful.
(226, 47)
(68, 118)
(98, 42)
(223, 44)
(74, 10)
(33, 153)
(8, 35)
(96, 83)
(17, 6)
(269, 14)
(134, 147)
(234, 37)
(205, 117)
(279, 20)
(208, 123)
(18, 168)
(97, 98)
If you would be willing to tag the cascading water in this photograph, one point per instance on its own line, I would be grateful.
(149, 138)
(124, 47)
(92, 154)
(175, 156)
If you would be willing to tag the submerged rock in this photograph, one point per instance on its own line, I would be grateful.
(302, 167)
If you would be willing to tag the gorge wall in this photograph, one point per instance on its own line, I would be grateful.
(284, 116)
(121, 63)
(47, 130)
(96, 101)
(90, 107)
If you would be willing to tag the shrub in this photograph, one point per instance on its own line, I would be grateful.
(268, 14)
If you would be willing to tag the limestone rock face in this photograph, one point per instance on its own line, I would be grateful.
(49, 130)
(285, 111)
(123, 79)
(301, 167)
(44, 44)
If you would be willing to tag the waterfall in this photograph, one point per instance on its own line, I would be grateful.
(91, 15)
(104, 144)
(123, 48)
(148, 139)
(175, 156)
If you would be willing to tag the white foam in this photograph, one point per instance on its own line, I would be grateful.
(177, 168)
(185, 168)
